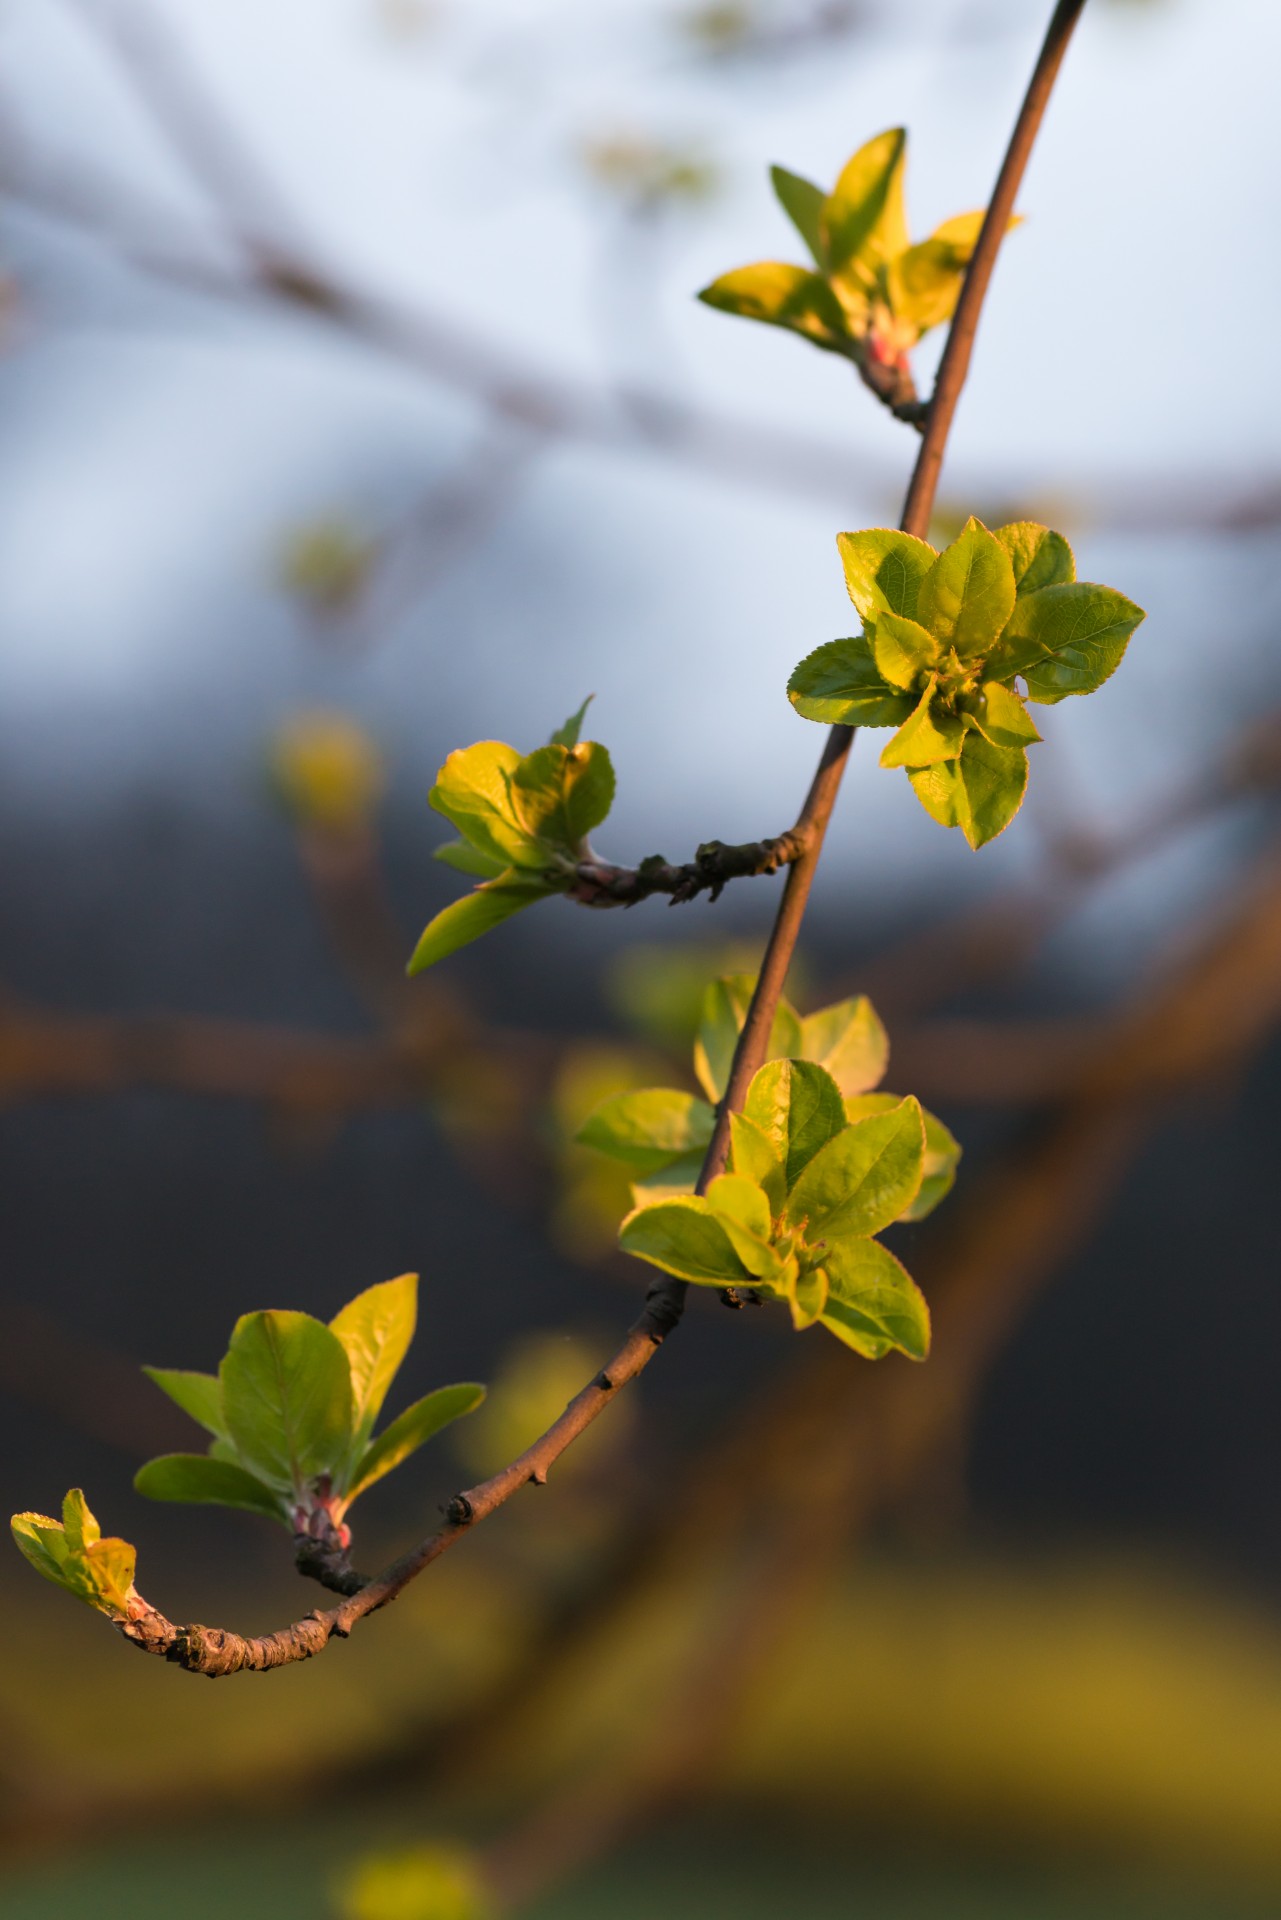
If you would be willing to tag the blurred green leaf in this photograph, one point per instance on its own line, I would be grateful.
(782, 296)
(649, 1128)
(753, 1153)
(464, 858)
(725, 1006)
(286, 1393)
(567, 735)
(422, 1883)
(864, 224)
(802, 202)
(848, 1041)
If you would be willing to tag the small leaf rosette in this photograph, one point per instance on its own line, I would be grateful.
(292, 1408)
(794, 1217)
(954, 645)
(870, 294)
(820, 1162)
(72, 1553)
(523, 822)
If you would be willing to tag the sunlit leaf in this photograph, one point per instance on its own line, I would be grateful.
(410, 1429)
(864, 224)
(864, 1178)
(980, 793)
(1039, 557)
(465, 920)
(1065, 639)
(684, 1238)
(942, 1151)
(802, 202)
(725, 1006)
(873, 1304)
(782, 296)
(849, 1042)
(841, 684)
(286, 1393)
(930, 736)
(798, 1108)
(884, 570)
(904, 651)
(375, 1329)
(199, 1394)
(968, 594)
(196, 1479)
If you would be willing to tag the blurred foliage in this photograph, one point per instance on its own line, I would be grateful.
(423, 1883)
(592, 1193)
(326, 770)
(326, 564)
(658, 990)
(534, 1382)
(646, 175)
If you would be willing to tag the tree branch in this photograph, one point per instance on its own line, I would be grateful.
(215, 1652)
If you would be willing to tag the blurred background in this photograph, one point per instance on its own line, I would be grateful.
(356, 407)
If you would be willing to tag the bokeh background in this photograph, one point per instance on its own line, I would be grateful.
(356, 407)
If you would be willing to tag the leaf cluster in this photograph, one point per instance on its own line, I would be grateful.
(870, 294)
(523, 822)
(819, 1163)
(73, 1554)
(292, 1408)
(947, 639)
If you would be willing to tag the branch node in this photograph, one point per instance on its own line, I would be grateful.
(459, 1511)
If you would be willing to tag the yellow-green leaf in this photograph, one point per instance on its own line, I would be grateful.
(930, 736)
(873, 1304)
(648, 1128)
(849, 1042)
(684, 1237)
(782, 296)
(884, 570)
(375, 1329)
(840, 684)
(864, 224)
(725, 1006)
(863, 1179)
(968, 594)
(410, 1429)
(197, 1480)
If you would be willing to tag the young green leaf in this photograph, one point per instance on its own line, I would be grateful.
(195, 1479)
(464, 858)
(980, 793)
(410, 1429)
(884, 570)
(752, 1153)
(863, 220)
(725, 1007)
(942, 1151)
(648, 1128)
(560, 793)
(802, 202)
(873, 1304)
(463, 921)
(782, 296)
(743, 1210)
(968, 594)
(924, 282)
(473, 790)
(904, 651)
(1039, 558)
(848, 1041)
(1001, 717)
(1065, 639)
(670, 1181)
(286, 1393)
(198, 1394)
(685, 1238)
(808, 1298)
(798, 1108)
(840, 684)
(863, 1179)
(568, 735)
(375, 1329)
(72, 1554)
(930, 736)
